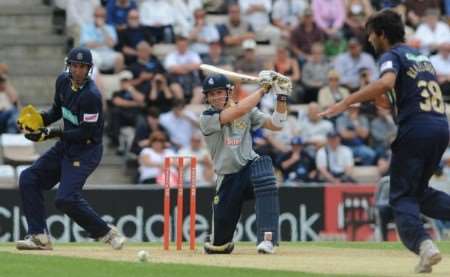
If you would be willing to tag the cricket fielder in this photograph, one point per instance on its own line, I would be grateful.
(408, 80)
(242, 174)
(70, 161)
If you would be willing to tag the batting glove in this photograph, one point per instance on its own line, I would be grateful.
(266, 79)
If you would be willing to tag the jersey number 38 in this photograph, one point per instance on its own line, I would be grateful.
(432, 97)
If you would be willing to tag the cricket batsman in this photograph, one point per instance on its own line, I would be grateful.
(70, 161)
(242, 174)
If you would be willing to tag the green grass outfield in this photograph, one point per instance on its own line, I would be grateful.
(15, 264)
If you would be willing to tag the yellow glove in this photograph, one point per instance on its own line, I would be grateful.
(30, 119)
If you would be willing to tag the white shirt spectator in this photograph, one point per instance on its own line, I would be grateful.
(257, 19)
(184, 11)
(209, 33)
(177, 58)
(441, 64)
(429, 37)
(147, 172)
(288, 11)
(337, 161)
(199, 154)
(179, 127)
(80, 12)
(316, 131)
(156, 13)
(349, 67)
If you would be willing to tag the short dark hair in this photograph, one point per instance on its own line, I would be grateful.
(153, 112)
(389, 23)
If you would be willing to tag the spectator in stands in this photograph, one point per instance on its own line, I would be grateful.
(304, 35)
(432, 32)
(202, 33)
(250, 64)
(78, 14)
(144, 128)
(335, 45)
(101, 38)
(314, 73)
(151, 159)
(145, 68)
(415, 10)
(288, 66)
(157, 16)
(313, 128)
(117, 12)
(335, 161)
(277, 143)
(297, 165)
(217, 57)
(353, 128)
(333, 92)
(235, 31)
(160, 94)
(358, 11)
(184, 14)
(180, 123)
(382, 131)
(441, 63)
(130, 37)
(348, 64)
(183, 67)
(8, 106)
(125, 107)
(257, 15)
(329, 15)
(385, 211)
(205, 170)
(286, 13)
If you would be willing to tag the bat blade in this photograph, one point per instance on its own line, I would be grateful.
(233, 76)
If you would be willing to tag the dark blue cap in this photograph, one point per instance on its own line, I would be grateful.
(332, 134)
(296, 140)
(214, 82)
(80, 55)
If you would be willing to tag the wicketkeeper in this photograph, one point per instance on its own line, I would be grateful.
(70, 161)
(242, 174)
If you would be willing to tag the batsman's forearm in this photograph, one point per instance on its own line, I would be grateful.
(367, 93)
(281, 106)
(244, 106)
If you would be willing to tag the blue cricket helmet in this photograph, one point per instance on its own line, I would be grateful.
(79, 55)
(216, 81)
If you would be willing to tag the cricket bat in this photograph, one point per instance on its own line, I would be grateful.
(233, 76)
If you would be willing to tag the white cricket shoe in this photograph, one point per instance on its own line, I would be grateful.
(265, 247)
(429, 256)
(114, 238)
(35, 242)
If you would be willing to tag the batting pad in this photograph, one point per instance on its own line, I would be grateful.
(266, 198)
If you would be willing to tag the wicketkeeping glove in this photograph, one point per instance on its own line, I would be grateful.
(30, 119)
(44, 134)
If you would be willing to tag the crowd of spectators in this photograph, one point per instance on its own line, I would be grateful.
(319, 44)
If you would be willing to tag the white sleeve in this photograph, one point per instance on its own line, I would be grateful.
(321, 159)
(170, 61)
(210, 122)
(348, 156)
